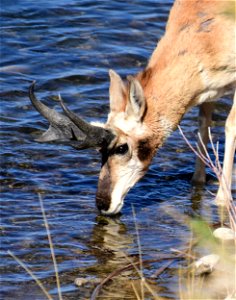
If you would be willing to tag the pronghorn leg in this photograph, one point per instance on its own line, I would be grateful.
(205, 113)
(224, 190)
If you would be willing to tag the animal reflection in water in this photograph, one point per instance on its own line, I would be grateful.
(110, 243)
(193, 64)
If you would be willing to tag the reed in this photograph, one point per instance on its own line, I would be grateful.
(24, 266)
(38, 282)
(51, 247)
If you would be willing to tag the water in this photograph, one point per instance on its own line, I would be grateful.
(68, 47)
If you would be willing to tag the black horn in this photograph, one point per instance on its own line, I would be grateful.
(69, 128)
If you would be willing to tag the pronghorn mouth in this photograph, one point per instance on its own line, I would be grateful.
(114, 210)
(109, 208)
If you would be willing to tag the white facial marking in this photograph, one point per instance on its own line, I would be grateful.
(98, 124)
(128, 176)
(127, 125)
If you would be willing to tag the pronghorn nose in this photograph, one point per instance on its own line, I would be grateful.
(103, 195)
(109, 205)
(103, 201)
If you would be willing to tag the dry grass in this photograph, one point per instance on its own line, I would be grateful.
(38, 282)
(24, 266)
(219, 282)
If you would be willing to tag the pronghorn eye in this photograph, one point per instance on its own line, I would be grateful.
(122, 149)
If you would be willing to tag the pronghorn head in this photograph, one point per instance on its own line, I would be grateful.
(125, 142)
(129, 154)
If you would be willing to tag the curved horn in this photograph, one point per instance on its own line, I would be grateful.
(98, 136)
(41, 108)
(70, 128)
(84, 126)
(48, 113)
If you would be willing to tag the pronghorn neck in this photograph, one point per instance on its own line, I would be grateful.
(168, 94)
(166, 105)
(193, 63)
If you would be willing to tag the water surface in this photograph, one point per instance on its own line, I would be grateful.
(68, 48)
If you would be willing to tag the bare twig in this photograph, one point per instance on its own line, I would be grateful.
(184, 253)
(162, 269)
(143, 279)
(129, 267)
(217, 169)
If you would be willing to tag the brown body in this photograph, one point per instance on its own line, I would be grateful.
(194, 64)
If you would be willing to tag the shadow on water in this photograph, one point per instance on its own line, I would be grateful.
(68, 47)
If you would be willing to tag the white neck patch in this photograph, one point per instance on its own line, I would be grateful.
(166, 125)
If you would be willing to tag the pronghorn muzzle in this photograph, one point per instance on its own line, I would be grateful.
(70, 129)
(103, 194)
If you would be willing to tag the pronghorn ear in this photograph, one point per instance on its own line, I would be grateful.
(117, 92)
(136, 105)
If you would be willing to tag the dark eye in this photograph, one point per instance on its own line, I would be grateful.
(122, 149)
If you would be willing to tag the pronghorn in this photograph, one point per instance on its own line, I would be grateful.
(193, 64)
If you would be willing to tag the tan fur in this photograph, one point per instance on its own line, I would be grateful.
(194, 63)
(174, 79)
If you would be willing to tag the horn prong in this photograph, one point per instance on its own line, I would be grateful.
(83, 125)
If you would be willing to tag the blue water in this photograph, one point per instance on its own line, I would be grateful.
(68, 48)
